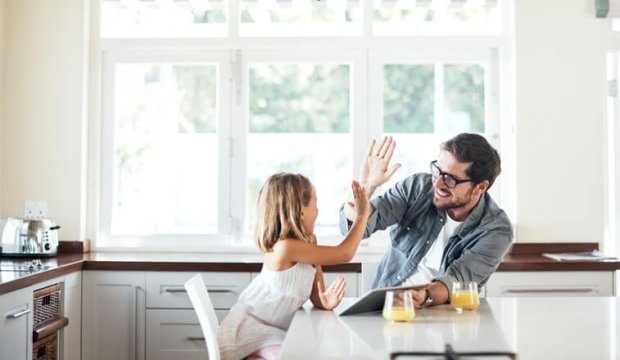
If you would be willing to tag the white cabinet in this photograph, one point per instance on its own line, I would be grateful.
(16, 319)
(72, 334)
(174, 334)
(172, 327)
(16, 325)
(147, 315)
(113, 305)
(551, 283)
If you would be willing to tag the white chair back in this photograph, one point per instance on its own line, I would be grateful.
(199, 296)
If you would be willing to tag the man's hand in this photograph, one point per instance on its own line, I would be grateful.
(418, 297)
(375, 169)
(331, 297)
(439, 293)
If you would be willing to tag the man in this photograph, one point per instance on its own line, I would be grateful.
(445, 226)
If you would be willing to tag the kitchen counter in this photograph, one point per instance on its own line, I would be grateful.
(523, 257)
(15, 274)
(531, 328)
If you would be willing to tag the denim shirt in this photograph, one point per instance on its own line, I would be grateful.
(473, 252)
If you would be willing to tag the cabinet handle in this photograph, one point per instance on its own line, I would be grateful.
(219, 291)
(176, 290)
(17, 314)
(195, 338)
(569, 290)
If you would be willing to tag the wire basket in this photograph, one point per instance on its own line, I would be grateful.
(46, 348)
(47, 305)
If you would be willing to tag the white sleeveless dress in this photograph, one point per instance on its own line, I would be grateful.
(265, 310)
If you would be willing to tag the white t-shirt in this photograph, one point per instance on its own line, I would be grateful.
(428, 269)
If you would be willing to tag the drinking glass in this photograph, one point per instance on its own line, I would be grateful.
(398, 306)
(464, 296)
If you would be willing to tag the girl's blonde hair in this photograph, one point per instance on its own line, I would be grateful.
(280, 201)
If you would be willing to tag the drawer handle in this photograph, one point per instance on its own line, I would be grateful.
(50, 328)
(195, 338)
(218, 291)
(179, 290)
(574, 290)
(17, 314)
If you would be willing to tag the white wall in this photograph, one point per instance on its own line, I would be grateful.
(560, 116)
(2, 32)
(42, 131)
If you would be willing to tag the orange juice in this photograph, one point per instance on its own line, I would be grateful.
(467, 300)
(399, 314)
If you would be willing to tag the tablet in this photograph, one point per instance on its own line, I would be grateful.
(372, 301)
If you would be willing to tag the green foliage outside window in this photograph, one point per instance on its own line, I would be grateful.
(408, 98)
(465, 93)
(197, 103)
(305, 98)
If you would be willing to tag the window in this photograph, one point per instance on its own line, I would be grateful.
(202, 103)
(429, 98)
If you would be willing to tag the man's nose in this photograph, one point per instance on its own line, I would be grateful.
(438, 183)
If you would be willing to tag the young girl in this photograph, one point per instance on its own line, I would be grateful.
(291, 274)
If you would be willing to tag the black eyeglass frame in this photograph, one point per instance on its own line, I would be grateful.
(445, 175)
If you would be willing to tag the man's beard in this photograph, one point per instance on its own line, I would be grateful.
(453, 204)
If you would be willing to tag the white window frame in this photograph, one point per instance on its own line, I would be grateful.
(366, 53)
(415, 55)
(355, 56)
(185, 241)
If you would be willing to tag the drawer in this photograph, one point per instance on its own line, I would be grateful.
(550, 283)
(166, 290)
(174, 334)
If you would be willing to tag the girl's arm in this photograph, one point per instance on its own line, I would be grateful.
(314, 296)
(291, 250)
(326, 298)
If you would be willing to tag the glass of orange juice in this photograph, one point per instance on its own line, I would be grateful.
(464, 296)
(398, 306)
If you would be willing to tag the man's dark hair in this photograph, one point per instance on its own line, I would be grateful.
(475, 149)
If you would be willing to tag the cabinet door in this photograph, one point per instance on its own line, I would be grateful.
(16, 325)
(551, 283)
(113, 316)
(72, 334)
(174, 334)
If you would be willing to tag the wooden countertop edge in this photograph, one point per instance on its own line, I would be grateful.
(39, 277)
(523, 257)
(113, 265)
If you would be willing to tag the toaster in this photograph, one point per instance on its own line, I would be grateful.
(26, 238)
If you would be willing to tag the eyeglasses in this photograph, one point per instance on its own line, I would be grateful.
(448, 179)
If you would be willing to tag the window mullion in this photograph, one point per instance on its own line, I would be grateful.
(238, 130)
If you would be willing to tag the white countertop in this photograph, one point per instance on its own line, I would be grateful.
(533, 328)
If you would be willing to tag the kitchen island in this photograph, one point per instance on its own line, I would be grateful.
(529, 328)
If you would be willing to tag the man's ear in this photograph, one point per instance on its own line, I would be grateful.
(482, 186)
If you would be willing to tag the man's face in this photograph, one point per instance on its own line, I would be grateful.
(462, 195)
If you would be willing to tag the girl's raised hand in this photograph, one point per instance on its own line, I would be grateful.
(331, 297)
(361, 203)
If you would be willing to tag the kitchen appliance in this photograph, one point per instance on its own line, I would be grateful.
(27, 238)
